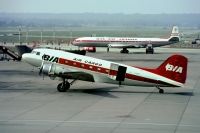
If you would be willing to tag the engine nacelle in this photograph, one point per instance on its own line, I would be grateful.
(51, 69)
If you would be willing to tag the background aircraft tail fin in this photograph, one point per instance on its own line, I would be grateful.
(174, 68)
(175, 31)
(174, 37)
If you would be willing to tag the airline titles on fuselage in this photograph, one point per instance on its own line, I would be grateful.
(88, 62)
(50, 58)
(56, 59)
(115, 39)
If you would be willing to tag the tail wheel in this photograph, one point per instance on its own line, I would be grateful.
(63, 87)
(160, 90)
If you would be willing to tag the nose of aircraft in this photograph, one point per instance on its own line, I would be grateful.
(34, 60)
(75, 42)
(25, 57)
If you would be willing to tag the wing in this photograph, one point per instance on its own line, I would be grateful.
(126, 45)
(75, 75)
(53, 70)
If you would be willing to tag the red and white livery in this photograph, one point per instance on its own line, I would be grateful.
(56, 63)
(126, 42)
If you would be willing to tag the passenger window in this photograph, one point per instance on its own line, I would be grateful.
(38, 53)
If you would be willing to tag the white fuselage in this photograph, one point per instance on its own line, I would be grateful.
(120, 42)
(127, 42)
(100, 69)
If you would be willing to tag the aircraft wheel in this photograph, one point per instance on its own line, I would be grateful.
(127, 51)
(152, 52)
(63, 87)
(161, 91)
(124, 51)
(149, 51)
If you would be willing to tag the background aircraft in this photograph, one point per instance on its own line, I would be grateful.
(125, 42)
(196, 41)
(56, 63)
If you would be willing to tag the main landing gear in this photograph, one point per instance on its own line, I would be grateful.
(149, 49)
(124, 50)
(64, 86)
(107, 49)
(160, 90)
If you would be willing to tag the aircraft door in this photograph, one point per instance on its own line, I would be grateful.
(117, 72)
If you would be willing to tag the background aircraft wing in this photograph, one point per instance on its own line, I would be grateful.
(125, 45)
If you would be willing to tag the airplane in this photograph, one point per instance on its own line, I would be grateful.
(126, 42)
(196, 41)
(68, 66)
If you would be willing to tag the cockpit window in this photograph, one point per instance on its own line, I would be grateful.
(35, 52)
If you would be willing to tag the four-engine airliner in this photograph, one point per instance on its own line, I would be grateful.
(126, 42)
(65, 65)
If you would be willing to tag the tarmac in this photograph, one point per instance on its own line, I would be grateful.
(31, 103)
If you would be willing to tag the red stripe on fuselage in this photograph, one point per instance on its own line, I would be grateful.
(103, 70)
(107, 41)
(83, 66)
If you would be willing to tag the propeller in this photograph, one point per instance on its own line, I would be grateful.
(41, 69)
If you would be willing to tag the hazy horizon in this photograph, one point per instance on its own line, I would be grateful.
(95, 19)
(103, 6)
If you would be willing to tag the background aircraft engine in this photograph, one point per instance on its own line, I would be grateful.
(51, 69)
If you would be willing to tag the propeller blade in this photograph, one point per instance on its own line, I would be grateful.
(41, 68)
(40, 72)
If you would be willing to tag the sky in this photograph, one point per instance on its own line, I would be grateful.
(101, 6)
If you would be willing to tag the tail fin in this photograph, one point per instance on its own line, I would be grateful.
(174, 68)
(175, 31)
(174, 37)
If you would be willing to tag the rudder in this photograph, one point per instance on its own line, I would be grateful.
(175, 31)
(174, 68)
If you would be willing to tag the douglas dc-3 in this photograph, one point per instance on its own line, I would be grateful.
(55, 63)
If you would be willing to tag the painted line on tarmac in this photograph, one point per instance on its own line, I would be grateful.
(96, 122)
